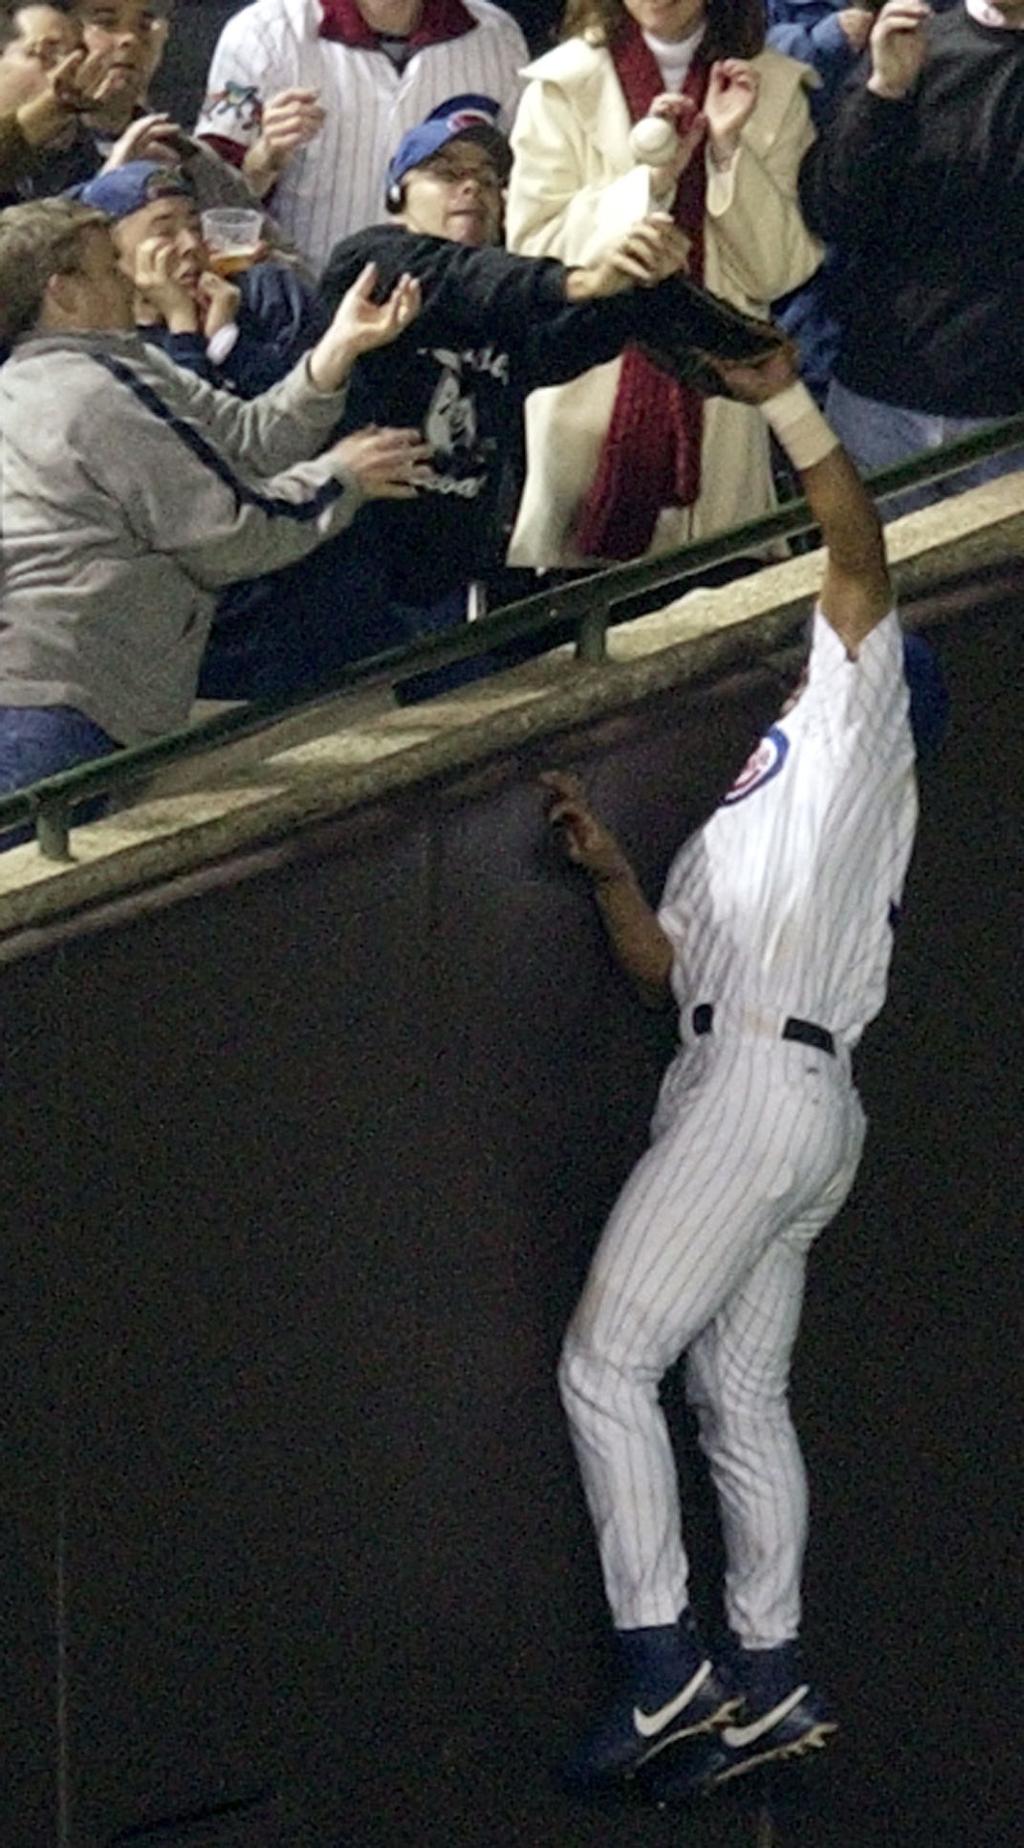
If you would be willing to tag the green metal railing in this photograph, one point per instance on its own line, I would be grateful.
(588, 602)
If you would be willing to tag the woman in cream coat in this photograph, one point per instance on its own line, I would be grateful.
(576, 188)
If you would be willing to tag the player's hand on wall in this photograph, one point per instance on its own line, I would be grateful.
(157, 281)
(387, 464)
(290, 121)
(587, 842)
(899, 47)
(647, 253)
(732, 92)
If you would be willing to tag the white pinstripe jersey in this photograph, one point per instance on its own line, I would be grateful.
(783, 903)
(336, 185)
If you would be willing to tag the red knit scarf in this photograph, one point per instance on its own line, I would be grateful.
(651, 453)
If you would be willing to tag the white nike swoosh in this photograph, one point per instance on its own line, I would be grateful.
(736, 1737)
(647, 1724)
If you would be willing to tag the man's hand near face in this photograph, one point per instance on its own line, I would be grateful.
(203, 307)
(218, 301)
(81, 82)
(132, 34)
(160, 289)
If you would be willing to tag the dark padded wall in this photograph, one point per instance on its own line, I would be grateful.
(301, 1172)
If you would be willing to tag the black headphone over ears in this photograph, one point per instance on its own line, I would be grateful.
(394, 196)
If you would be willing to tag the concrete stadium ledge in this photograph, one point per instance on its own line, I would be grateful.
(357, 750)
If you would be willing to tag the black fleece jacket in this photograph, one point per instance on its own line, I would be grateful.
(925, 199)
(493, 328)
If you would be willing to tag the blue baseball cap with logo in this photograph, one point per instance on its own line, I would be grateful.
(461, 118)
(127, 189)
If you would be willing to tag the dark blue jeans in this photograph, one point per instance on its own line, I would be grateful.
(414, 623)
(39, 741)
(876, 434)
(294, 630)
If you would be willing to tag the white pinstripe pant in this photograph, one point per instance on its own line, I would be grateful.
(756, 1144)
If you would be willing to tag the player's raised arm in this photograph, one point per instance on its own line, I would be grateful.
(640, 944)
(856, 592)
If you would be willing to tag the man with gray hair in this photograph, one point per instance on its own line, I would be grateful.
(131, 492)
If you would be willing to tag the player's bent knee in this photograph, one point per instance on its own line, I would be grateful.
(571, 1368)
(585, 1378)
(594, 1380)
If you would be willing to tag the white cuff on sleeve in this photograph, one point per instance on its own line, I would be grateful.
(799, 425)
(222, 344)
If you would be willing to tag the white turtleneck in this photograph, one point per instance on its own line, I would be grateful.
(674, 56)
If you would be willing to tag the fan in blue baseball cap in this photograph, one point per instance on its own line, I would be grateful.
(493, 327)
(244, 333)
(447, 176)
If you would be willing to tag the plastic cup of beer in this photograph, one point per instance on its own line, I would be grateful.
(232, 237)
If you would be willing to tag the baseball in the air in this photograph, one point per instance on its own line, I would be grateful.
(653, 141)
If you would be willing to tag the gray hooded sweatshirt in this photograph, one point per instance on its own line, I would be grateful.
(130, 493)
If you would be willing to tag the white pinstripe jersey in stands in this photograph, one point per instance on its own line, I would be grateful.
(783, 903)
(336, 185)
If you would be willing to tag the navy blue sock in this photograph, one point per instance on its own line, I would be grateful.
(659, 1659)
(766, 1676)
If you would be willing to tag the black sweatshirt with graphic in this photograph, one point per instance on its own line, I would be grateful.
(493, 327)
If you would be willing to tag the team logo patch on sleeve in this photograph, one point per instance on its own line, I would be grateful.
(240, 101)
(764, 762)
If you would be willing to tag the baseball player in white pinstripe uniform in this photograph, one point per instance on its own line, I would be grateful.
(774, 936)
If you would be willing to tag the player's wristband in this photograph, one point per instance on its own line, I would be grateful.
(800, 426)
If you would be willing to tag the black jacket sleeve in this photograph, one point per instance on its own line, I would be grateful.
(850, 176)
(487, 293)
(677, 320)
(518, 303)
(592, 333)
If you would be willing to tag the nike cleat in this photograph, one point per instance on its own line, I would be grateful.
(636, 1728)
(795, 1727)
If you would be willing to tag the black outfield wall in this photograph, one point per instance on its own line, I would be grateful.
(302, 1166)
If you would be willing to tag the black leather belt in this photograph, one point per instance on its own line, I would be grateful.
(703, 1019)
